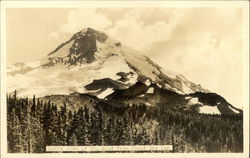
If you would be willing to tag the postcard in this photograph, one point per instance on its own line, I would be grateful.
(125, 79)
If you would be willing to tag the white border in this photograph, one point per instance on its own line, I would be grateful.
(124, 4)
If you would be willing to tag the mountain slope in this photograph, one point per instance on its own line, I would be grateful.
(89, 55)
(93, 63)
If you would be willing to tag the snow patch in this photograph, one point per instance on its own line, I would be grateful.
(147, 82)
(188, 98)
(160, 86)
(64, 51)
(105, 93)
(148, 104)
(150, 90)
(205, 109)
(140, 63)
(186, 89)
(194, 100)
(111, 66)
(141, 95)
(234, 110)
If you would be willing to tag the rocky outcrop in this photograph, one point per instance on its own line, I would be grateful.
(82, 50)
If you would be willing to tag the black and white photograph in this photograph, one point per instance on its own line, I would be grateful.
(144, 78)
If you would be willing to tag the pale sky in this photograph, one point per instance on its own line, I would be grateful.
(203, 44)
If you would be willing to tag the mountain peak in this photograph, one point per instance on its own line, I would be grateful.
(80, 48)
(90, 32)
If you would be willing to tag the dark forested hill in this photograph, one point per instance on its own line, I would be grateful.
(35, 123)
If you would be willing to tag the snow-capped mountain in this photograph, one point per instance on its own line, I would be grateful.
(93, 63)
(87, 56)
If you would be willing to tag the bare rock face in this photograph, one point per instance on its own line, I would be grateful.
(85, 45)
(81, 50)
(84, 48)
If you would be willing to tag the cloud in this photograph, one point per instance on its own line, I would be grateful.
(77, 19)
(139, 36)
(205, 37)
(140, 28)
